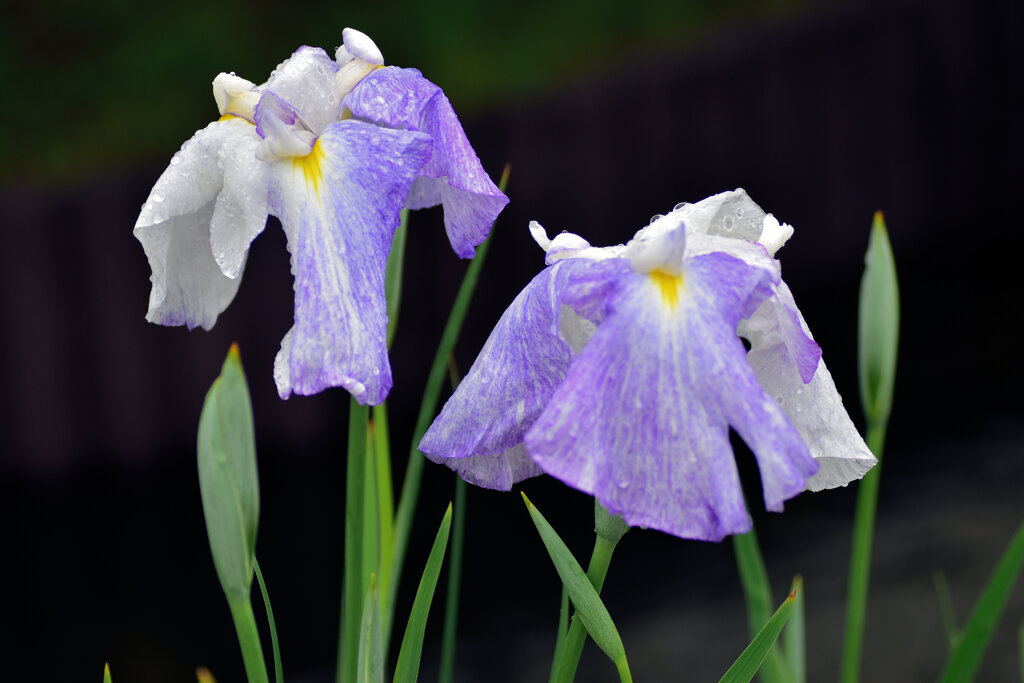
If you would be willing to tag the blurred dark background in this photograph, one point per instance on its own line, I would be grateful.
(609, 113)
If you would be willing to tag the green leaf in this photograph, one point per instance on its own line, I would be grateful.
(757, 594)
(449, 636)
(393, 274)
(228, 480)
(278, 670)
(744, 668)
(106, 673)
(879, 325)
(794, 640)
(946, 609)
(371, 644)
(408, 667)
(964, 661)
(354, 580)
(581, 591)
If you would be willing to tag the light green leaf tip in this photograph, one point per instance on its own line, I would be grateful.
(228, 478)
(584, 597)
(750, 660)
(879, 320)
(106, 673)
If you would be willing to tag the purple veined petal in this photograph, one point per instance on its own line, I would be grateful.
(778, 321)
(194, 176)
(339, 207)
(642, 418)
(240, 213)
(188, 287)
(306, 82)
(402, 98)
(512, 379)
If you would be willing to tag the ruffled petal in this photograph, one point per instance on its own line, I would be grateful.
(402, 98)
(174, 229)
(642, 418)
(788, 365)
(188, 287)
(240, 213)
(306, 82)
(511, 381)
(339, 207)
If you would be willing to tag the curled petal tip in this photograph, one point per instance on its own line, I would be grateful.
(361, 46)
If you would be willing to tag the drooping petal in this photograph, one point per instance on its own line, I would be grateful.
(642, 418)
(240, 213)
(188, 287)
(788, 365)
(306, 82)
(402, 98)
(516, 373)
(339, 207)
(174, 229)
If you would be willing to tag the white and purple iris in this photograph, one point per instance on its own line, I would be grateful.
(620, 371)
(334, 148)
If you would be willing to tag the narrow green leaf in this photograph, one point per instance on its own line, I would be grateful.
(278, 670)
(746, 666)
(794, 639)
(228, 480)
(106, 673)
(757, 594)
(385, 503)
(354, 583)
(446, 671)
(408, 667)
(248, 639)
(964, 661)
(393, 274)
(581, 591)
(946, 609)
(879, 325)
(428, 409)
(562, 637)
(371, 523)
(371, 646)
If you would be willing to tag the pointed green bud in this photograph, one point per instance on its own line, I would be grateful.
(879, 325)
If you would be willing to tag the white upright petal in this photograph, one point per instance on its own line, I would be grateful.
(774, 234)
(305, 81)
(235, 95)
(241, 209)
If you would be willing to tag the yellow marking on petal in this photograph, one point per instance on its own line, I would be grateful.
(669, 286)
(311, 167)
(228, 117)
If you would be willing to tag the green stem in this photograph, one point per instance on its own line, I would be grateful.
(278, 671)
(385, 503)
(248, 638)
(566, 662)
(451, 608)
(623, 668)
(563, 628)
(860, 558)
(353, 582)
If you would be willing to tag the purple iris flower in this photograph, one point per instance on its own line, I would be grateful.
(620, 371)
(334, 148)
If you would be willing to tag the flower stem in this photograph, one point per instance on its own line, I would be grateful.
(563, 669)
(451, 608)
(248, 638)
(860, 558)
(353, 582)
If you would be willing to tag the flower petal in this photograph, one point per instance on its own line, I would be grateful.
(402, 98)
(188, 287)
(306, 82)
(511, 381)
(240, 213)
(642, 418)
(339, 207)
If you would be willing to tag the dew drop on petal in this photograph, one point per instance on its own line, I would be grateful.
(799, 391)
(680, 206)
(157, 197)
(622, 483)
(739, 212)
(778, 399)
(656, 217)
(727, 223)
(175, 160)
(799, 409)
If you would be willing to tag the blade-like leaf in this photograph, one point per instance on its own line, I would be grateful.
(964, 661)
(278, 670)
(371, 647)
(228, 480)
(106, 673)
(581, 591)
(408, 667)
(744, 668)
(757, 594)
(794, 640)
(879, 325)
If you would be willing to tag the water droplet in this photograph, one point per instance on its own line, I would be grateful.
(680, 206)
(485, 379)
(175, 160)
(655, 217)
(799, 409)
(157, 197)
(147, 206)
(727, 223)
(739, 212)
(622, 483)
(778, 399)
(799, 391)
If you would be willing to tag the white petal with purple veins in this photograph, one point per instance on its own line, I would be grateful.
(241, 209)
(306, 82)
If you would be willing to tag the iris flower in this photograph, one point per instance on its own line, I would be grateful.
(334, 148)
(620, 371)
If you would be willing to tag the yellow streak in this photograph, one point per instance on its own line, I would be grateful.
(311, 166)
(669, 286)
